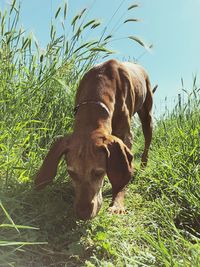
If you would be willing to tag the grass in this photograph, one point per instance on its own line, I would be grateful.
(37, 87)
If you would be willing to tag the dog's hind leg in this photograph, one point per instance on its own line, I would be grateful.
(146, 120)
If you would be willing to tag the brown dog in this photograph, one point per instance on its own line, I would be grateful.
(107, 97)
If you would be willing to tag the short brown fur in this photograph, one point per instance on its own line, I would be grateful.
(101, 140)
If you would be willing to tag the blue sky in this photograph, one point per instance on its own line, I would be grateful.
(172, 26)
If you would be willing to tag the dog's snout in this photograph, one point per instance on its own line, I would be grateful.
(86, 213)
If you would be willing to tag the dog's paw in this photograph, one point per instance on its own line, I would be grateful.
(117, 209)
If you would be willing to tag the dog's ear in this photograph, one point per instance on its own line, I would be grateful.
(49, 166)
(119, 169)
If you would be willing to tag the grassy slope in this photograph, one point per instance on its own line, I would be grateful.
(161, 227)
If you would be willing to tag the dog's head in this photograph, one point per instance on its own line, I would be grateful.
(88, 160)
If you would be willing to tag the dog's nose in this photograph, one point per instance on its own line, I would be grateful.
(84, 213)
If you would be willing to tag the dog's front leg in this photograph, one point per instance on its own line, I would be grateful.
(119, 171)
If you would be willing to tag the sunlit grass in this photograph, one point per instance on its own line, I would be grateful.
(37, 87)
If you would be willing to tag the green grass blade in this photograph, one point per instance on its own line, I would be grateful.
(8, 217)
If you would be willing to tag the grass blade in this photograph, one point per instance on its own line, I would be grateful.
(8, 217)
(131, 20)
(57, 12)
(139, 41)
(133, 6)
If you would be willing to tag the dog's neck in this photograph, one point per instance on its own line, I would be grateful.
(91, 102)
(91, 117)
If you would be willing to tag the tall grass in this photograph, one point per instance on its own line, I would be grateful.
(37, 85)
(172, 184)
(37, 88)
(179, 133)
